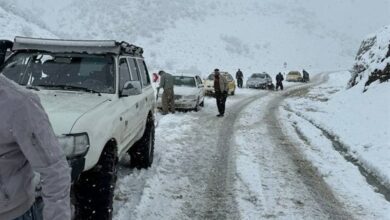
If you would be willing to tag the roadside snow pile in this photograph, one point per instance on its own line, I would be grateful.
(361, 122)
(13, 25)
(373, 60)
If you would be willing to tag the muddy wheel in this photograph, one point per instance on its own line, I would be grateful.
(141, 154)
(94, 191)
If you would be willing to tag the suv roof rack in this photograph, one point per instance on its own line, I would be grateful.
(76, 46)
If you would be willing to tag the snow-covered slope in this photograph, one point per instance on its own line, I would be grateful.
(13, 25)
(373, 60)
(201, 35)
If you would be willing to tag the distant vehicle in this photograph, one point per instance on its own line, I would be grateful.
(260, 81)
(294, 76)
(189, 92)
(209, 83)
(306, 77)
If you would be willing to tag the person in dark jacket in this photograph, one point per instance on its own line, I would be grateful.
(27, 145)
(279, 81)
(221, 91)
(239, 77)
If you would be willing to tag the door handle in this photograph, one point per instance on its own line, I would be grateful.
(136, 105)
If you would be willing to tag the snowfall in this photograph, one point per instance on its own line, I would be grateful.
(317, 150)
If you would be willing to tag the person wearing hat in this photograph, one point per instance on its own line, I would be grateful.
(221, 91)
(167, 82)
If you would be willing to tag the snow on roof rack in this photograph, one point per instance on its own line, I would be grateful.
(76, 46)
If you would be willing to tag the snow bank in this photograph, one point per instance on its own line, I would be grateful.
(360, 121)
(372, 60)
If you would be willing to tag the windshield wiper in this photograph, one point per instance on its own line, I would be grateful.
(71, 87)
(32, 87)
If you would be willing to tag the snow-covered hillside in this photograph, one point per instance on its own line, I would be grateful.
(13, 25)
(201, 35)
(373, 60)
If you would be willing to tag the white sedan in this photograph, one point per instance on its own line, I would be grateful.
(189, 92)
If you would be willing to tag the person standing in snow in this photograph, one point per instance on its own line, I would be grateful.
(167, 82)
(221, 91)
(27, 145)
(279, 81)
(239, 77)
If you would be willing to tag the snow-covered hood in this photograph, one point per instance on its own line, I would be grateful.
(64, 108)
(185, 90)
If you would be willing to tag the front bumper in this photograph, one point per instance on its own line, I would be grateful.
(77, 165)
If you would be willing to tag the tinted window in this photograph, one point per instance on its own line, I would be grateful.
(199, 80)
(124, 73)
(144, 72)
(135, 76)
(228, 76)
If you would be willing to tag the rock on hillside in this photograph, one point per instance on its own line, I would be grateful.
(372, 62)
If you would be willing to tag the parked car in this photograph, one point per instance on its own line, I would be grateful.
(260, 81)
(100, 102)
(209, 84)
(189, 92)
(294, 76)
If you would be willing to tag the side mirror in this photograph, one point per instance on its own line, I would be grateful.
(131, 88)
(200, 86)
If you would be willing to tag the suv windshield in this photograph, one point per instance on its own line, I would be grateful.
(92, 73)
(185, 81)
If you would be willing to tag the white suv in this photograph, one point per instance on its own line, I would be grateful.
(100, 102)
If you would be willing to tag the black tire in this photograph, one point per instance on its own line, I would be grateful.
(94, 191)
(202, 104)
(141, 154)
(232, 93)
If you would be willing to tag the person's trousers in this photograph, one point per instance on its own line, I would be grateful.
(34, 213)
(168, 101)
(279, 84)
(239, 83)
(221, 100)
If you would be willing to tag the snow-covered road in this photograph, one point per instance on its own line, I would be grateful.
(246, 165)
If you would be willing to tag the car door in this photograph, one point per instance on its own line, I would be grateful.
(147, 88)
(142, 101)
(129, 106)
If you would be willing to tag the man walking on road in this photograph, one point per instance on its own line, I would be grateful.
(167, 82)
(279, 81)
(27, 145)
(239, 77)
(221, 91)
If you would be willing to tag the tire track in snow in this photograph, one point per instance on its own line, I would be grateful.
(320, 191)
(220, 201)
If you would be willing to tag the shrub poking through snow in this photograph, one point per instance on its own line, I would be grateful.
(372, 62)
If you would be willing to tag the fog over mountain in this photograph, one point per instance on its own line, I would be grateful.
(201, 35)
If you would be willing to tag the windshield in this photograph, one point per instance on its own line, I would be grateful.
(62, 71)
(228, 76)
(294, 73)
(258, 75)
(211, 77)
(185, 81)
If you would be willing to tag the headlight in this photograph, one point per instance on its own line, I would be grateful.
(74, 144)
